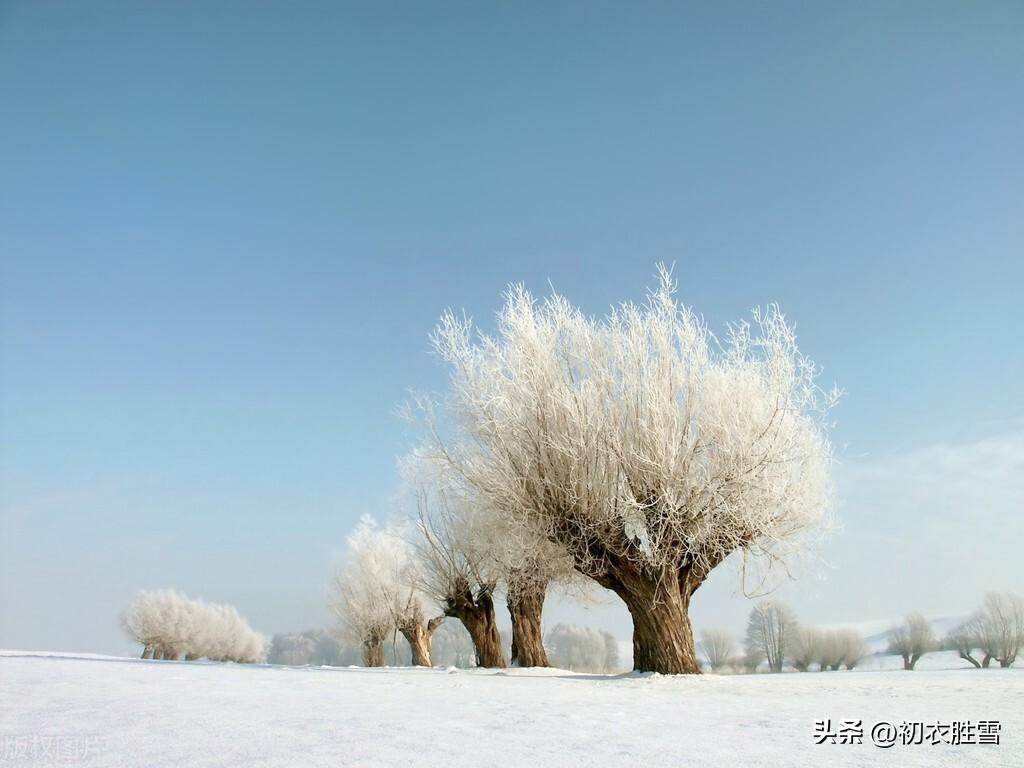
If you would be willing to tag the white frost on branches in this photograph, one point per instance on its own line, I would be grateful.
(772, 630)
(368, 587)
(169, 625)
(639, 436)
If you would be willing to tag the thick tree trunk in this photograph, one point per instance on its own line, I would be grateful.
(477, 615)
(1005, 663)
(986, 661)
(419, 644)
(662, 636)
(419, 639)
(525, 606)
(486, 639)
(373, 652)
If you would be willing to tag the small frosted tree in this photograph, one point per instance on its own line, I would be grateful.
(853, 647)
(366, 586)
(719, 648)
(806, 648)
(457, 571)
(378, 591)
(771, 630)
(998, 627)
(751, 659)
(964, 640)
(640, 445)
(912, 639)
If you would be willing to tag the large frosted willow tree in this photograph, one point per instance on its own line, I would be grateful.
(640, 444)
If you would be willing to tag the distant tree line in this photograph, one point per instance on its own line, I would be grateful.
(775, 639)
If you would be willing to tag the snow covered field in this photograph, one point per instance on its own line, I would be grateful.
(106, 711)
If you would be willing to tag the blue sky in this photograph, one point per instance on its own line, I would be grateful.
(226, 230)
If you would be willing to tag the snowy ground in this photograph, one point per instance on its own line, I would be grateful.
(105, 711)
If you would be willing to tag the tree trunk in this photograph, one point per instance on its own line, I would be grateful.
(486, 640)
(1007, 662)
(966, 656)
(987, 660)
(373, 652)
(477, 615)
(525, 606)
(419, 639)
(662, 636)
(147, 652)
(419, 644)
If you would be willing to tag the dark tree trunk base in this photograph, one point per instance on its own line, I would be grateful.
(662, 635)
(526, 607)
(477, 616)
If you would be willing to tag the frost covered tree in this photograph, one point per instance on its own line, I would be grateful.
(519, 561)
(583, 649)
(169, 625)
(367, 584)
(641, 445)
(836, 648)
(751, 660)
(964, 640)
(377, 591)
(853, 647)
(806, 648)
(912, 639)
(998, 627)
(719, 648)
(457, 570)
(771, 630)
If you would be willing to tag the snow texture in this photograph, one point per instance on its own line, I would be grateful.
(129, 712)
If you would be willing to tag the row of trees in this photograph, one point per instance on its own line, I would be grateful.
(409, 577)
(774, 636)
(170, 625)
(634, 451)
(995, 631)
(581, 649)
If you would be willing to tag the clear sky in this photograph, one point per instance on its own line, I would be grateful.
(227, 228)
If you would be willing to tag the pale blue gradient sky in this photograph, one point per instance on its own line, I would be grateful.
(226, 230)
